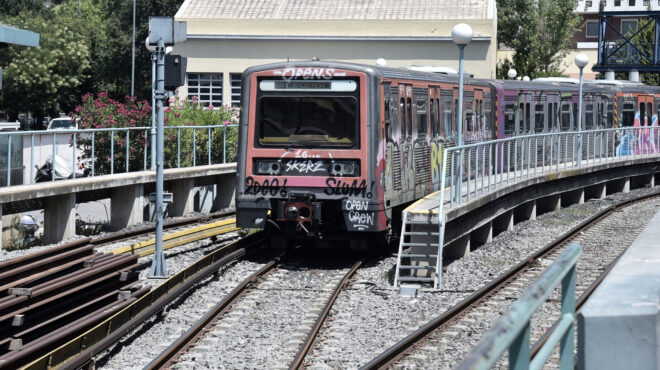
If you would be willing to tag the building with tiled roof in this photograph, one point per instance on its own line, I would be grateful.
(227, 36)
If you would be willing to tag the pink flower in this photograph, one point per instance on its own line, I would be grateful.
(79, 109)
(210, 107)
(101, 140)
(226, 122)
(166, 109)
(103, 94)
(195, 99)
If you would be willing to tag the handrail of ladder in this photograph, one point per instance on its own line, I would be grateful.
(441, 220)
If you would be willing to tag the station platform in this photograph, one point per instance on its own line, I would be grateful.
(619, 326)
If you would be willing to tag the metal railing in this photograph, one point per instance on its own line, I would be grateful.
(104, 151)
(513, 330)
(488, 166)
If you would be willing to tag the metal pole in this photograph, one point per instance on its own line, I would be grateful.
(579, 144)
(133, 56)
(79, 11)
(153, 112)
(158, 268)
(459, 116)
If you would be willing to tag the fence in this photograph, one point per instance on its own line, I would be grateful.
(512, 331)
(488, 166)
(95, 152)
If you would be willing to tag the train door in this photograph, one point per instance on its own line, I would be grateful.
(405, 143)
(421, 148)
(436, 141)
(396, 139)
(645, 103)
(391, 133)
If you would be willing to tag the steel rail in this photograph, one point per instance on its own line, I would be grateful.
(82, 349)
(578, 305)
(400, 348)
(307, 345)
(187, 340)
(112, 238)
(46, 253)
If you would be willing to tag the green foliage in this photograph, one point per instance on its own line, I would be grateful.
(12, 8)
(104, 112)
(190, 113)
(539, 32)
(46, 79)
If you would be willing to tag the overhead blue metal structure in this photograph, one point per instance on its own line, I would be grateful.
(11, 35)
(624, 53)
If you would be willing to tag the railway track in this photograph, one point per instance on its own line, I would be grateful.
(433, 342)
(229, 314)
(49, 297)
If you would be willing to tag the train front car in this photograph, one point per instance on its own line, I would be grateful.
(308, 139)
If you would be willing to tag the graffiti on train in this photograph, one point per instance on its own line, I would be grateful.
(638, 140)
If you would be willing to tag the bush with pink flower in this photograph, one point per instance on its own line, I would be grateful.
(184, 112)
(103, 112)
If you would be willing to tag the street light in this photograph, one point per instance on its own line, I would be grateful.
(581, 61)
(512, 73)
(461, 34)
(525, 78)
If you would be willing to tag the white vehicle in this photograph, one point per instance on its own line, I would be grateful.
(62, 123)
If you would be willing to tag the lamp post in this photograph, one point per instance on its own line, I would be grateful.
(581, 61)
(461, 34)
(512, 73)
(133, 55)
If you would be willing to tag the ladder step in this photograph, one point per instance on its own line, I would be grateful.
(413, 278)
(407, 244)
(418, 255)
(420, 223)
(423, 233)
(411, 267)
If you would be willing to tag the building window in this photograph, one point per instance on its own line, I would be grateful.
(235, 89)
(592, 29)
(631, 2)
(617, 2)
(207, 87)
(628, 27)
(589, 3)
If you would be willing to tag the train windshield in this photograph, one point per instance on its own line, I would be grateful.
(307, 121)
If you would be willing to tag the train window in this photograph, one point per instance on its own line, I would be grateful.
(649, 113)
(448, 116)
(528, 119)
(538, 117)
(434, 131)
(509, 120)
(600, 115)
(610, 116)
(408, 118)
(486, 119)
(642, 113)
(436, 116)
(520, 117)
(575, 116)
(388, 120)
(566, 116)
(555, 117)
(402, 117)
(421, 116)
(324, 120)
(628, 114)
(589, 117)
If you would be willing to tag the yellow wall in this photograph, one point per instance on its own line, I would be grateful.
(234, 56)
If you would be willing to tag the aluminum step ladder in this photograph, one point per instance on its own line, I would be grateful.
(420, 255)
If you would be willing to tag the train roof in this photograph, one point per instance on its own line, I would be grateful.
(373, 70)
(558, 84)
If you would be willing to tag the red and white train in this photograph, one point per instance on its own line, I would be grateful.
(330, 148)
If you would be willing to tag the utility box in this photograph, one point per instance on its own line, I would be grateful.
(175, 71)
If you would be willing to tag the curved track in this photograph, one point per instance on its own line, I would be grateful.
(504, 283)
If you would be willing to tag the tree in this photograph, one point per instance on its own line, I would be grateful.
(46, 79)
(539, 32)
(12, 8)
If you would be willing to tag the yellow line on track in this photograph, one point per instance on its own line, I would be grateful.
(181, 237)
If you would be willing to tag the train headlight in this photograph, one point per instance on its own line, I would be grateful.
(344, 168)
(265, 167)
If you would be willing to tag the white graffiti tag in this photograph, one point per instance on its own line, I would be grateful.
(304, 166)
(308, 73)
